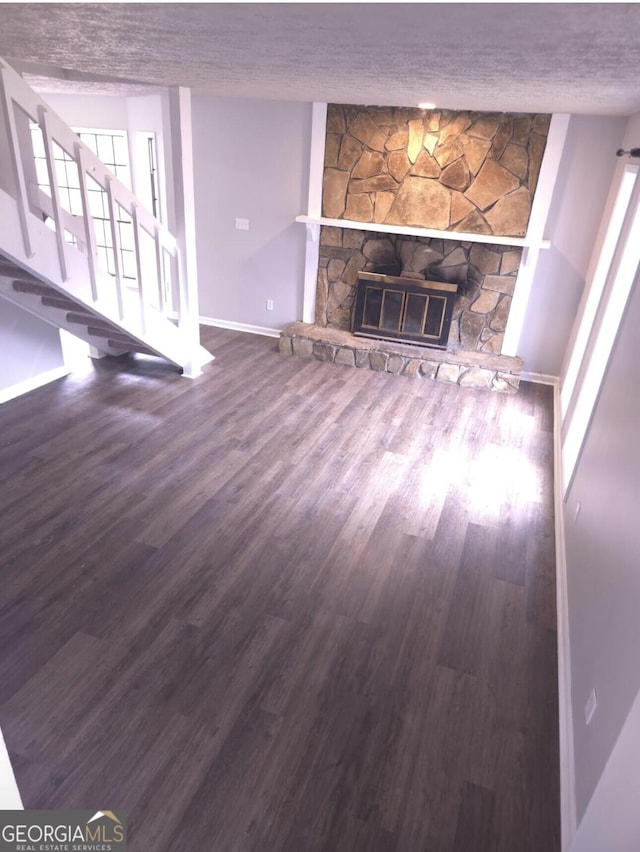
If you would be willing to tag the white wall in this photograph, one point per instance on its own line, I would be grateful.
(250, 162)
(603, 574)
(612, 820)
(584, 177)
(29, 349)
(104, 112)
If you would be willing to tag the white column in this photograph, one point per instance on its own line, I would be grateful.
(535, 231)
(314, 209)
(185, 225)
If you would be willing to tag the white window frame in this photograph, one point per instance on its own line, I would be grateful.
(615, 274)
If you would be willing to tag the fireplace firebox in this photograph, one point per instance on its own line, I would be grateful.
(389, 307)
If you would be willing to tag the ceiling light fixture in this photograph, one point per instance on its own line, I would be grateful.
(426, 105)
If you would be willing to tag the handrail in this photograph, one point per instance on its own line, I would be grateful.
(15, 93)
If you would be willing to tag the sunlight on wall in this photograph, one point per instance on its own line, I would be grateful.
(75, 352)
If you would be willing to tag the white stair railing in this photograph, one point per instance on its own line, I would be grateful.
(159, 283)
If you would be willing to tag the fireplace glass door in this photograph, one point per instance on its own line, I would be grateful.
(393, 308)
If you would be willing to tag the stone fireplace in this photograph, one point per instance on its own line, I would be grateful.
(447, 197)
(485, 275)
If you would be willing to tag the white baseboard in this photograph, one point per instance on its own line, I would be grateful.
(240, 326)
(33, 383)
(539, 378)
(568, 818)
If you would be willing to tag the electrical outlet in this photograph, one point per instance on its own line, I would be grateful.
(590, 706)
(242, 224)
(269, 304)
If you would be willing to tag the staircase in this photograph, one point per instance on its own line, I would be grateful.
(54, 264)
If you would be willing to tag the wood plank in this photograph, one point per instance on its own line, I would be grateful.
(474, 830)
(286, 605)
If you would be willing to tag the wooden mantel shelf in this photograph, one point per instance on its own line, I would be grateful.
(522, 242)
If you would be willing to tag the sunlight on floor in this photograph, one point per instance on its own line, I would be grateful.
(496, 476)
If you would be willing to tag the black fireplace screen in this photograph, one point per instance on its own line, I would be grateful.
(392, 308)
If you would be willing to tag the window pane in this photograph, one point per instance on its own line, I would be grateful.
(61, 173)
(121, 150)
(95, 204)
(75, 202)
(65, 201)
(122, 173)
(129, 265)
(103, 259)
(73, 179)
(127, 242)
(37, 141)
(42, 174)
(100, 232)
(105, 150)
(89, 140)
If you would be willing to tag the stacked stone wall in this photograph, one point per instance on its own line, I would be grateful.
(452, 171)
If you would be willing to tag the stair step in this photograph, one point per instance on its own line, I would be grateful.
(50, 298)
(17, 275)
(77, 318)
(131, 346)
(95, 326)
(58, 302)
(119, 340)
(32, 285)
(110, 332)
(8, 267)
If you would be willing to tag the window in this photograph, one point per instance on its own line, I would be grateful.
(111, 146)
(597, 285)
(621, 257)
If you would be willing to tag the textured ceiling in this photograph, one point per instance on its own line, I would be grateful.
(522, 57)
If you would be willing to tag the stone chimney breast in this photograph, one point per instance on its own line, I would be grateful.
(453, 171)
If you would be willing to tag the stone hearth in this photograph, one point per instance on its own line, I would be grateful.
(469, 369)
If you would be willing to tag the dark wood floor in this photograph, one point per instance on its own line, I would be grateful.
(286, 606)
